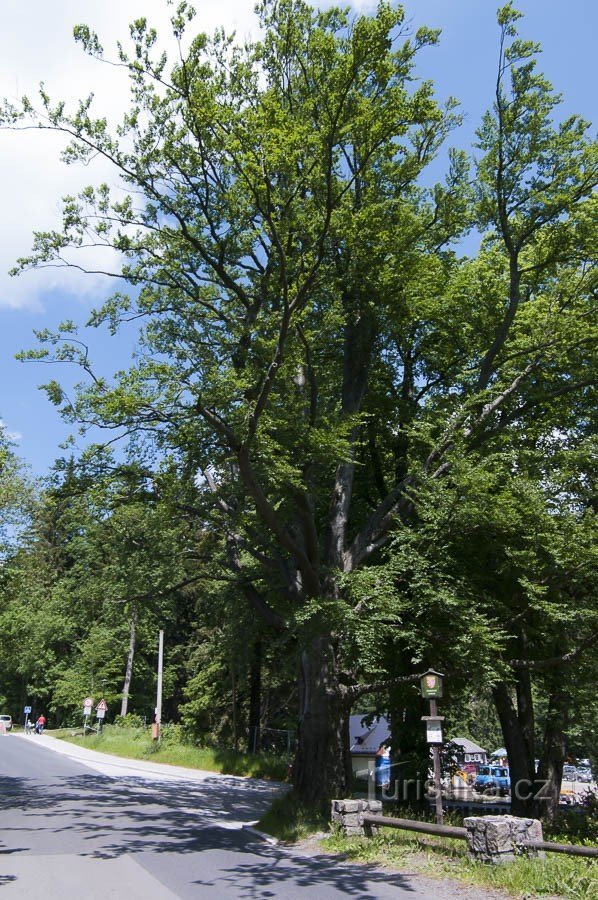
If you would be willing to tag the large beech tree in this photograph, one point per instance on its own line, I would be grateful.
(309, 342)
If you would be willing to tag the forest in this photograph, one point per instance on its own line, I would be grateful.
(349, 447)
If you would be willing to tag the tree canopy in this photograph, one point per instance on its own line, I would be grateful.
(340, 391)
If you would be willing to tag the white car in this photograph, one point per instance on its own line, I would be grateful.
(6, 721)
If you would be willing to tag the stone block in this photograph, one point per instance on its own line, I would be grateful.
(498, 839)
(348, 815)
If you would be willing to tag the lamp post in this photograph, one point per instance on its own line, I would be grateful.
(431, 689)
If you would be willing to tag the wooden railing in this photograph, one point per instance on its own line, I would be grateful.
(454, 831)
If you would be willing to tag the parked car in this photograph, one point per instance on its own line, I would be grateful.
(569, 773)
(7, 720)
(493, 779)
(584, 774)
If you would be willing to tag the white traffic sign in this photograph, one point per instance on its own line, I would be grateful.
(102, 706)
(88, 702)
(27, 710)
(100, 713)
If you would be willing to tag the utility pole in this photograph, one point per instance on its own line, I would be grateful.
(156, 730)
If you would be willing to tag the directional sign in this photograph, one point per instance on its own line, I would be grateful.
(88, 702)
(27, 710)
(102, 705)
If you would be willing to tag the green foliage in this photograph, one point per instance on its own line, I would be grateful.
(556, 876)
(131, 720)
(379, 450)
(576, 826)
(289, 820)
(174, 749)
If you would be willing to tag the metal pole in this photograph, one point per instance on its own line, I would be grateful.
(159, 691)
(437, 778)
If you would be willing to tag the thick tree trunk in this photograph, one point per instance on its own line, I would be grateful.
(233, 680)
(411, 775)
(322, 766)
(129, 669)
(255, 697)
(554, 750)
(525, 714)
(521, 771)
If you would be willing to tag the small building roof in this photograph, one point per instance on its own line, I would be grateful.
(364, 739)
(467, 745)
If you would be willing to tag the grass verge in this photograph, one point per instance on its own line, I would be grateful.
(289, 821)
(136, 743)
(558, 876)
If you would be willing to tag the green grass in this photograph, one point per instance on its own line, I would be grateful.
(556, 876)
(288, 821)
(559, 876)
(136, 743)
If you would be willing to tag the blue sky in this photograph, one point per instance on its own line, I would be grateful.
(36, 44)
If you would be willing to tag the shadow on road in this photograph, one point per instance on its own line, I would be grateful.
(274, 873)
(104, 818)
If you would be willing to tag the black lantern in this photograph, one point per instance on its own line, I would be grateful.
(431, 685)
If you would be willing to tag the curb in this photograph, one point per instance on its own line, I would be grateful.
(268, 838)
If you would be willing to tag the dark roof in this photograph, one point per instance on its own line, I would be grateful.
(364, 739)
(467, 745)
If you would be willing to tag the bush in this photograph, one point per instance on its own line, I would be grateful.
(171, 734)
(576, 826)
(131, 720)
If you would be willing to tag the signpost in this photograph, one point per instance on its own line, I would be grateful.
(431, 689)
(101, 711)
(87, 706)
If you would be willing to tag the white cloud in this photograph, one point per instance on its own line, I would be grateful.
(37, 45)
(13, 436)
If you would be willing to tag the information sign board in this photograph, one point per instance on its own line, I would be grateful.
(434, 731)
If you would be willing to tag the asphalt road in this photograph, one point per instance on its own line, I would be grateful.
(106, 828)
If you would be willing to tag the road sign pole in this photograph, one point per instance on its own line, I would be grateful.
(437, 773)
(159, 688)
(87, 706)
(431, 689)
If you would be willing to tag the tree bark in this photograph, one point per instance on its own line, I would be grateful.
(514, 734)
(554, 750)
(322, 764)
(129, 668)
(525, 714)
(233, 680)
(255, 697)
